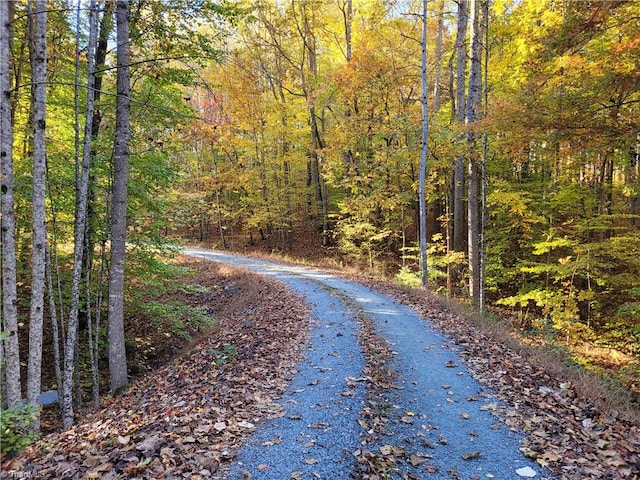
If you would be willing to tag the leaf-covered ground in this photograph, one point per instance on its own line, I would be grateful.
(188, 418)
(567, 430)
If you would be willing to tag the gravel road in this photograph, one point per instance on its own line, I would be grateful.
(439, 414)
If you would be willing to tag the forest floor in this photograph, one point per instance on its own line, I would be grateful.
(198, 402)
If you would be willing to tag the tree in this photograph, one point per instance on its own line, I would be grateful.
(471, 116)
(437, 76)
(10, 355)
(117, 353)
(38, 53)
(424, 151)
(458, 111)
(81, 219)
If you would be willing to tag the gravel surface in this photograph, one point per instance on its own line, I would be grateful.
(438, 412)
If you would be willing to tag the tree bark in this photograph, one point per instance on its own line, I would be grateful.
(423, 154)
(38, 54)
(437, 76)
(10, 347)
(473, 106)
(483, 170)
(459, 227)
(80, 228)
(457, 209)
(346, 7)
(117, 354)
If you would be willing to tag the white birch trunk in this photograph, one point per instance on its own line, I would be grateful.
(38, 53)
(38, 56)
(82, 192)
(10, 346)
(117, 354)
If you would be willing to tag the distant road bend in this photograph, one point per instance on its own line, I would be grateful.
(438, 415)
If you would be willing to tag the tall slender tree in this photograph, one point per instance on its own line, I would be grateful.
(471, 116)
(10, 346)
(437, 74)
(117, 353)
(423, 152)
(483, 169)
(82, 198)
(38, 52)
(459, 106)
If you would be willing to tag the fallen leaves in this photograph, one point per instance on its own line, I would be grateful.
(214, 395)
(564, 432)
(471, 455)
(189, 417)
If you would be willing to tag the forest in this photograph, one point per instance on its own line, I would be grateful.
(502, 170)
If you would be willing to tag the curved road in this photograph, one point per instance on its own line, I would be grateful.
(439, 415)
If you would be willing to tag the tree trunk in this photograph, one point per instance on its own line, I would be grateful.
(347, 17)
(423, 153)
(38, 53)
(117, 354)
(106, 26)
(10, 347)
(53, 314)
(80, 228)
(632, 178)
(317, 144)
(437, 76)
(214, 154)
(483, 170)
(459, 220)
(473, 106)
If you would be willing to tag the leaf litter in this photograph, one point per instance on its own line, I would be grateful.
(564, 432)
(188, 418)
(165, 425)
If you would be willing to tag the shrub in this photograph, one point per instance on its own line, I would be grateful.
(14, 428)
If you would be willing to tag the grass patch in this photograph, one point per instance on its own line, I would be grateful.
(178, 318)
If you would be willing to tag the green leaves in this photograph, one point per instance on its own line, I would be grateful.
(14, 428)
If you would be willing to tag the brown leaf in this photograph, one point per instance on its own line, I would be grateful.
(272, 442)
(319, 425)
(386, 449)
(93, 461)
(150, 443)
(470, 455)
